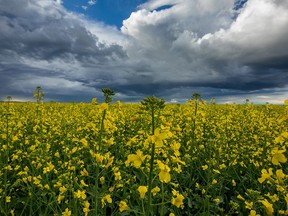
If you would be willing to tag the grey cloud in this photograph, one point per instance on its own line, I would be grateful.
(243, 54)
(50, 32)
(192, 46)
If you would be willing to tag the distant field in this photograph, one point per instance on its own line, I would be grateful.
(198, 159)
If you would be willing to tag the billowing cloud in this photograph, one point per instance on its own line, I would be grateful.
(41, 41)
(169, 48)
(202, 43)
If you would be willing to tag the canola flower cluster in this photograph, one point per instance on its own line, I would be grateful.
(71, 159)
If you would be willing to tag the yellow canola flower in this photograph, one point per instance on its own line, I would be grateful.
(84, 172)
(273, 198)
(62, 189)
(268, 207)
(278, 156)
(67, 212)
(12, 212)
(142, 191)
(164, 174)
(158, 138)
(155, 190)
(105, 199)
(177, 199)
(123, 206)
(280, 175)
(135, 160)
(253, 213)
(265, 175)
(248, 205)
(204, 167)
(60, 198)
(80, 194)
(240, 197)
(86, 208)
(103, 106)
(102, 180)
(82, 182)
(8, 199)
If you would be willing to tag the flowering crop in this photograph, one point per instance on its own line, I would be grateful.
(90, 159)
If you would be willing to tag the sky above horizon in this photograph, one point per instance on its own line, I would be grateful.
(225, 49)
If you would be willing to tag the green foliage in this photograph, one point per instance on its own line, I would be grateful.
(63, 161)
(107, 94)
(38, 94)
(153, 103)
(196, 97)
(9, 98)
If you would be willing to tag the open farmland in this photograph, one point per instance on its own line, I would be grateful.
(121, 159)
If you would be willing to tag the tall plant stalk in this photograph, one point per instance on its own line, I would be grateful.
(151, 104)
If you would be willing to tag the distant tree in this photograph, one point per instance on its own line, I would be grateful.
(197, 97)
(153, 103)
(107, 94)
(212, 101)
(9, 98)
(38, 94)
(247, 101)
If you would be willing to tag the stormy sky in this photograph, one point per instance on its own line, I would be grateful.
(223, 49)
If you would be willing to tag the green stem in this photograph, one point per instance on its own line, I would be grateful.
(97, 165)
(151, 166)
(162, 202)
(101, 129)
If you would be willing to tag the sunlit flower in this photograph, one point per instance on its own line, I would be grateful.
(105, 199)
(102, 180)
(265, 175)
(80, 194)
(274, 198)
(268, 207)
(84, 172)
(12, 212)
(67, 212)
(135, 159)
(164, 174)
(205, 167)
(280, 175)
(177, 199)
(155, 190)
(8, 199)
(248, 205)
(142, 191)
(278, 156)
(253, 213)
(214, 181)
(82, 182)
(123, 206)
(240, 197)
(86, 208)
(158, 138)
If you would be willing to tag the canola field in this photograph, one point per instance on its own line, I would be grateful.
(123, 159)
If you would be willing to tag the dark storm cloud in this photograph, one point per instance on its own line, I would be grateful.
(42, 43)
(191, 46)
(40, 35)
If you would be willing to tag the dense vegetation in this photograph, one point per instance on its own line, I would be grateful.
(143, 159)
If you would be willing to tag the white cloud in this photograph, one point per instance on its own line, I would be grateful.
(91, 2)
